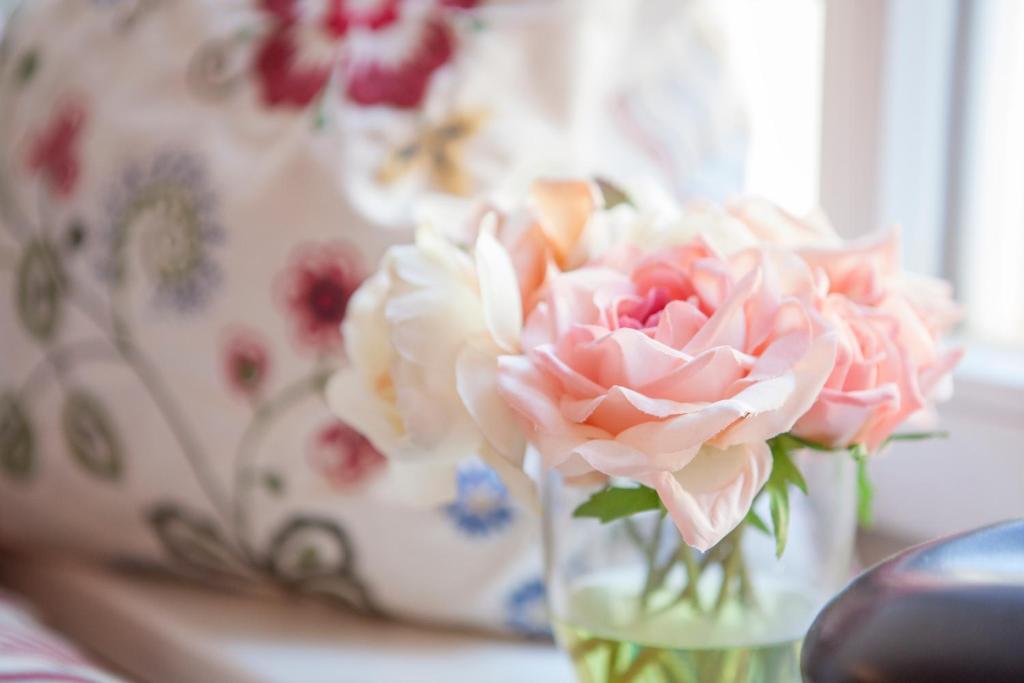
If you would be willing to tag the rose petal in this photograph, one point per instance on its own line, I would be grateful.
(663, 441)
(572, 381)
(838, 417)
(626, 357)
(804, 381)
(614, 457)
(477, 381)
(563, 209)
(711, 495)
(622, 408)
(727, 325)
(679, 321)
(705, 378)
(531, 394)
(499, 290)
(359, 406)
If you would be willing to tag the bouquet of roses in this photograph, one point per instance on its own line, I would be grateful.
(678, 360)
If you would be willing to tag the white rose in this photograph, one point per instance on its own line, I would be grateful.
(422, 337)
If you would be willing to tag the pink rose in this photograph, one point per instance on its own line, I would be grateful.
(889, 362)
(673, 369)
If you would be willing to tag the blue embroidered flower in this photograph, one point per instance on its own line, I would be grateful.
(526, 610)
(162, 224)
(482, 506)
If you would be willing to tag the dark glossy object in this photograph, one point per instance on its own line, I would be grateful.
(948, 611)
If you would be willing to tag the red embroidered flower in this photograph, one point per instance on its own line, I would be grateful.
(54, 151)
(315, 290)
(246, 362)
(343, 456)
(382, 51)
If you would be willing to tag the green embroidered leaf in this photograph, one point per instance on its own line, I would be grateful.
(754, 520)
(306, 547)
(865, 491)
(40, 285)
(90, 435)
(343, 590)
(17, 446)
(314, 556)
(27, 66)
(273, 483)
(615, 502)
(193, 540)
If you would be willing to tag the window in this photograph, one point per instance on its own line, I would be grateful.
(990, 221)
(923, 123)
(777, 58)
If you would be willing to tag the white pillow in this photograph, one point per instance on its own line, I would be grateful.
(190, 191)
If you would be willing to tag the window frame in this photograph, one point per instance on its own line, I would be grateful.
(886, 61)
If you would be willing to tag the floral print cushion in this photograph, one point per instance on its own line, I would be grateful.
(191, 191)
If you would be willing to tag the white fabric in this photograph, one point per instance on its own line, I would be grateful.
(31, 652)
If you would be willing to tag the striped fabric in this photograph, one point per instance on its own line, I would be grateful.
(29, 653)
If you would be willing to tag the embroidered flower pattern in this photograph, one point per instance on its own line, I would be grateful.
(315, 290)
(163, 216)
(437, 152)
(54, 151)
(527, 611)
(246, 361)
(482, 503)
(382, 52)
(343, 456)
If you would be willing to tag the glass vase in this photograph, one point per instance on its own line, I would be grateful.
(632, 603)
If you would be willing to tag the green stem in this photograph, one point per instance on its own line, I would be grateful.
(246, 451)
(655, 576)
(733, 566)
(61, 356)
(175, 419)
(692, 576)
(647, 657)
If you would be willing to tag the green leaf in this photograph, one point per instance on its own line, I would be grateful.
(754, 520)
(784, 467)
(865, 491)
(778, 503)
(90, 435)
(39, 289)
(784, 473)
(612, 194)
(916, 436)
(273, 483)
(17, 446)
(615, 502)
(805, 443)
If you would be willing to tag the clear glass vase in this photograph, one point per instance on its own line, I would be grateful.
(632, 603)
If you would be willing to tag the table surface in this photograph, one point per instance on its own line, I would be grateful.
(159, 631)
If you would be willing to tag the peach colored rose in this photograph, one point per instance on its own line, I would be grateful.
(889, 361)
(547, 236)
(672, 368)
